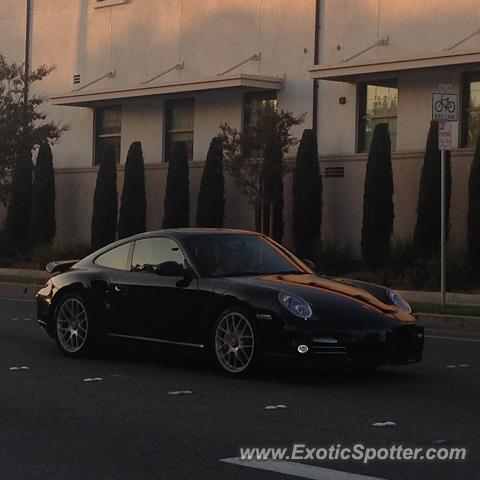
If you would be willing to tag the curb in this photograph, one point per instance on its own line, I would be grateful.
(452, 322)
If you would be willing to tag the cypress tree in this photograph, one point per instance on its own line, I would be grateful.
(17, 225)
(426, 240)
(211, 198)
(104, 218)
(177, 195)
(307, 198)
(378, 208)
(43, 197)
(474, 214)
(133, 203)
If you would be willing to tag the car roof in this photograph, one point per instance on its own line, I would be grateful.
(188, 232)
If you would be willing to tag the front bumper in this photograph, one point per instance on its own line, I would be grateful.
(399, 345)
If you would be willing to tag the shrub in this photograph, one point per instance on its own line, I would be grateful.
(211, 197)
(307, 198)
(335, 260)
(45, 253)
(133, 207)
(426, 240)
(378, 209)
(104, 218)
(43, 198)
(474, 214)
(177, 195)
(17, 225)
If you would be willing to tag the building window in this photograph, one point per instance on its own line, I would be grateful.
(108, 3)
(179, 125)
(254, 103)
(471, 110)
(108, 131)
(378, 103)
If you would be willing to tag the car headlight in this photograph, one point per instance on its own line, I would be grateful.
(399, 301)
(295, 305)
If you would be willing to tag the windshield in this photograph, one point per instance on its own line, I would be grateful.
(231, 255)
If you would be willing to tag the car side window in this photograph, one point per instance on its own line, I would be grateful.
(148, 253)
(116, 258)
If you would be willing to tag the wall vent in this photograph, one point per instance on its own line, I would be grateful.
(76, 79)
(334, 172)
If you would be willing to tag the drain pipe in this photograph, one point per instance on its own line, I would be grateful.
(316, 55)
(28, 34)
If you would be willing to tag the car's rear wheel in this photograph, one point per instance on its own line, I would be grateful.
(73, 329)
(236, 343)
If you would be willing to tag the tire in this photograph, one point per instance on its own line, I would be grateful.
(236, 343)
(73, 328)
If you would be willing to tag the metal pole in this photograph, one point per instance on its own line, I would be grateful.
(443, 227)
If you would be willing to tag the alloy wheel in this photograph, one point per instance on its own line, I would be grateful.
(234, 342)
(72, 325)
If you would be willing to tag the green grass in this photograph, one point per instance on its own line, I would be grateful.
(22, 279)
(461, 310)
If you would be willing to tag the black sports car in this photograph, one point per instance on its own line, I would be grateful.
(236, 294)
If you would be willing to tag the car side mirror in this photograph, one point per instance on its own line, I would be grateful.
(188, 276)
(309, 264)
(169, 269)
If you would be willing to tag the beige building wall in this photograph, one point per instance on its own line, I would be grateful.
(142, 38)
(413, 28)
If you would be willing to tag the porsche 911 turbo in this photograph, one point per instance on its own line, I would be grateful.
(237, 295)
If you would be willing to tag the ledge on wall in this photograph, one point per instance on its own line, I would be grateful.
(91, 99)
(351, 72)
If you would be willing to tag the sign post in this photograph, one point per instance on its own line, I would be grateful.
(444, 110)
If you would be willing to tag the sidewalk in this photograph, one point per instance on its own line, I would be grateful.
(42, 275)
(436, 297)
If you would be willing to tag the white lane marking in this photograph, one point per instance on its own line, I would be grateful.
(275, 407)
(95, 379)
(16, 300)
(297, 469)
(20, 368)
(180, 392)
(384, 424)
(460, 339)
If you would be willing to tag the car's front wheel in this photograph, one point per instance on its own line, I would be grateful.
(236, 342)
(73, 329)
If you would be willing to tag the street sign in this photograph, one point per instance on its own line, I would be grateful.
(444, 135)
(445, 107)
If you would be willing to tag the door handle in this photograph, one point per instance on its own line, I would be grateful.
(120, 289)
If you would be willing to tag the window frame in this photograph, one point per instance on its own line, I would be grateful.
(467, 79)
(362, 88)
(96, 136)
(167, 146)
(259, 93)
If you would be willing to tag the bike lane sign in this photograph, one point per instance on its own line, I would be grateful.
(445, 107)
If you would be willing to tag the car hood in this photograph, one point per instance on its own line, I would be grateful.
(319, 290)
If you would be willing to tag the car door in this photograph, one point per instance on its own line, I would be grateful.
(157, 306)
(110, 266)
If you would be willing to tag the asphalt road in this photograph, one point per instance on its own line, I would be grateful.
(55, 425)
